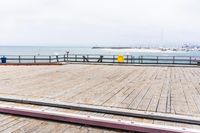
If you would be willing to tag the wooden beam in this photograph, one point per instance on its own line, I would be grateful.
(92, 121)
(107, 110)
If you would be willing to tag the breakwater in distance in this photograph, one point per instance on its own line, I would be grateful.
(111, 47)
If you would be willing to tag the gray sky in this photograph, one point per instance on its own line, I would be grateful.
(117, 22)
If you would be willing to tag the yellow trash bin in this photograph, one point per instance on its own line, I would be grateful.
(120, 58)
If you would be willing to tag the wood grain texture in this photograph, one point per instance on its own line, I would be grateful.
(171, 90)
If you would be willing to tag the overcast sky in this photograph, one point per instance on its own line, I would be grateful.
(107, 22)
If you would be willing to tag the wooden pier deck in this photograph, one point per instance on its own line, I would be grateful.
(169, 90)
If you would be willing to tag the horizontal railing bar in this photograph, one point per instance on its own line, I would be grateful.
(98, 58)
(28, 59)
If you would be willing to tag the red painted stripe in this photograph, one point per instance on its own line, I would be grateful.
(92, 121)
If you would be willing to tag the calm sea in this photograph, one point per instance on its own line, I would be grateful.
(46, 50)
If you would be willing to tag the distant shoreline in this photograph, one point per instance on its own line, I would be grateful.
(148, 49)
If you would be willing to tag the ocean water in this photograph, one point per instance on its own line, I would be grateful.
(60, 50)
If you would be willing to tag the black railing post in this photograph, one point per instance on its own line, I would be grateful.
(19, 59)
(190, 60)
(34, 59)
(127, 59)
(131, 59)
(67, 56)
(49, 59)
(157, 59)
(57, 58)
(113, 59)
(141, 59)
(75, 58)
(64, 58)
(173, 59)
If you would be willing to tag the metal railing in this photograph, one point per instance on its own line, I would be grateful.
(128, 59)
